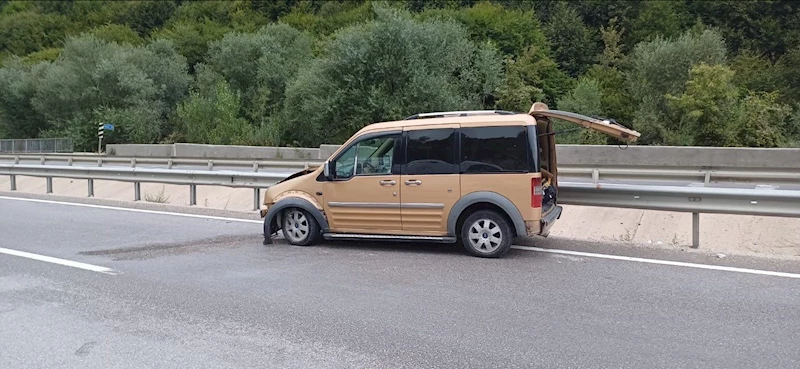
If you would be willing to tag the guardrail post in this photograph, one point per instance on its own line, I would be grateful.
(137, 191)
(169, 164)
(595, 175)
(255, 166)
(49, 184)
(16, 159)
(256, 199)
(707, 178)
(99, 162)
(41, 160)
(91, 188)
(210, 165)
(69, 161)
(13, 182)
(192, 194)
(695, 230)
(133, 162)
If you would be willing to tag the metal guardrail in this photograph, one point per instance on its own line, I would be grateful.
(36, 145)
(619, 172)
(696, 200)
(191, 178)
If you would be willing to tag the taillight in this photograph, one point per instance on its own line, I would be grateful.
(536, 192)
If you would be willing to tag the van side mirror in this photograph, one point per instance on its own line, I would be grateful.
(326, 169)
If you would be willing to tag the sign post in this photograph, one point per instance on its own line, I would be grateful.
(100, 130)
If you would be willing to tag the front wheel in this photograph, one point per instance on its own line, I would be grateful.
(299, 227)
(486, 234)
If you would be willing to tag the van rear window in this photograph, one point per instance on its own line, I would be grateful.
(494, 149)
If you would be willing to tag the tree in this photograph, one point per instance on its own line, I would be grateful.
(661, 67)
(657, 19)
(211, 116)
(585, 99)
(386, 69)
(259, 65)
(513, 31)
(760, 121)
(706, 107)
(93, 77)
(532, 78)
(574, 45)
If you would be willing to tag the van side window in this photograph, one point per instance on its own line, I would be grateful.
(494, 149)
(370, 156)
(431, 151)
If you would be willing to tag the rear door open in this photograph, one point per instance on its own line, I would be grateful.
(605, 126)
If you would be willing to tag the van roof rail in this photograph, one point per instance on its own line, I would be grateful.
(463, 113)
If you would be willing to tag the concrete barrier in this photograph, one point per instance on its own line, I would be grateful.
(690, 156)
(143, 151)
(244, 152)
(588, 155)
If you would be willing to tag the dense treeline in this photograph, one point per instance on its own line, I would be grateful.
(301, 73)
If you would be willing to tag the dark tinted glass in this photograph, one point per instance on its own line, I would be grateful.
(431, 151)
(494, 149)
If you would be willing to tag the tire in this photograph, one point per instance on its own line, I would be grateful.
(487, 234)
(299, 227)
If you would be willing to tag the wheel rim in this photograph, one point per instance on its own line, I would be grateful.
(485, 235)
(296, 225)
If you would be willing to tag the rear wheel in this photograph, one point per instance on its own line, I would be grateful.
(486, 234)
(299, 227)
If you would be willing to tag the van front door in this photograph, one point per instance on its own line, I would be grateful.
(430, 179)
(364, 194)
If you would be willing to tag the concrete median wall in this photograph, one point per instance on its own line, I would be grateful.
(739, 157)
(589, 155)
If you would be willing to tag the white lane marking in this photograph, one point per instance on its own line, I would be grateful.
(661, 262)
(526, 248)
(133, 210)
(50, 259)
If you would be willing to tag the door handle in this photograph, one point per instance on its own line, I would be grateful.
(388, 182)
(415, 182)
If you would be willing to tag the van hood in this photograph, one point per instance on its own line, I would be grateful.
(298, 174)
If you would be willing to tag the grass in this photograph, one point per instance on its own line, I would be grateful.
(158, 197)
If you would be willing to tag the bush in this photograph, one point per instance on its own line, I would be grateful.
(387, 69)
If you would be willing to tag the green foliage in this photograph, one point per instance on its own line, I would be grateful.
(706, 107)
(760, 122)
(755, 73)
(387, 69)
(297, 72)
(93, 77)
(657, 19)
(532, 78)
(513, 31)
(259, 65)
(661, 67)
(574, 44)
(25, 32)
(37, 57)
(192, 38)
(788, 69)
(210, 116)
(330, 17)
(117, 33)
(585, 98)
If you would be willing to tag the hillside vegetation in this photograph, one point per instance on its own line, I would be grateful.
(302, 73)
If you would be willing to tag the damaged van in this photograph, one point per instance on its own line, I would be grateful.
(480, 178)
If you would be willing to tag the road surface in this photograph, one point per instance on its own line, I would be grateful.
(195, 292)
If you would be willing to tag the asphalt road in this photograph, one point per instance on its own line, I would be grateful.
(204, 293)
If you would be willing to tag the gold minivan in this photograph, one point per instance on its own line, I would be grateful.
(481, 178)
